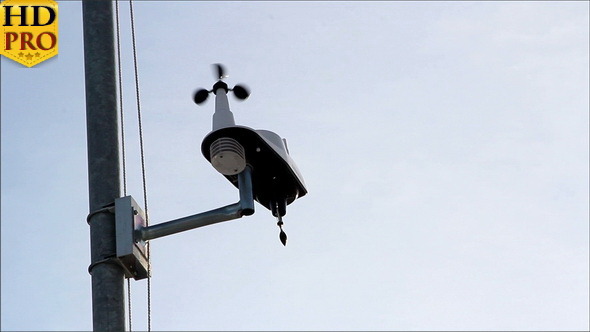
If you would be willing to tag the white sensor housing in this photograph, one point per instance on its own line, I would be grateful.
(227, 156)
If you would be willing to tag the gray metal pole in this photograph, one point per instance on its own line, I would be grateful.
(108, 305)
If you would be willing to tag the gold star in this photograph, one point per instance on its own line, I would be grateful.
(29, 56)
(37, 54)
(20, 55)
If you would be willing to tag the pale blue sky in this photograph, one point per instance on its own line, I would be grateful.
(444, 146)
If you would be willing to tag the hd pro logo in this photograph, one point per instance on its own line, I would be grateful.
(29, 29)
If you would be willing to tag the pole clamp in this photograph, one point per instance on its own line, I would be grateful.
(108, 260)
(109, 208)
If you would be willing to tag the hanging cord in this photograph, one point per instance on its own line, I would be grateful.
(145, 200)
(122, 120)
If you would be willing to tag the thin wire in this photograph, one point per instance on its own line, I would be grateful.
(145, 200)
(129, 301)
(122, 120)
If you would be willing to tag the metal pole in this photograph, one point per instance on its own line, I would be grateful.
(108, 309)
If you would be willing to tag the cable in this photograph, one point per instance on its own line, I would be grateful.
(129, 301)
(141, 148)
(122, 120)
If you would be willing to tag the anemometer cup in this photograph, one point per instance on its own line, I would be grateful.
(200, 96)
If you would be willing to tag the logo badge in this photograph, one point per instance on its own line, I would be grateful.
(29, 29)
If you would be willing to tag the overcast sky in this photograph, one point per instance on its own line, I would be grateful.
(444, 146)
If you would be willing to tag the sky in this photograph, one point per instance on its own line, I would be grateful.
(444, 146)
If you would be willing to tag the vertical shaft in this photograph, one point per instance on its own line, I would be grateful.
(222, 117)
(108, 310)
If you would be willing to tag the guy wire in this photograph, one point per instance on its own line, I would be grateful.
(141, 146)
(122, 120)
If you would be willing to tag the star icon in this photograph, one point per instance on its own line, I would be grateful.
(29, 56)
(37, 54)
(20, 55)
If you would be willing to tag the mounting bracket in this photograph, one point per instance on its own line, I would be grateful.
(132, 231)
(132, 254)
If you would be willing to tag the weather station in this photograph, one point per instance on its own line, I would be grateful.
(256, 162)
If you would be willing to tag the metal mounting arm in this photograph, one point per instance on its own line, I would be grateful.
(244, 207)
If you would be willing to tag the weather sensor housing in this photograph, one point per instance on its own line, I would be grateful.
(276, 180)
